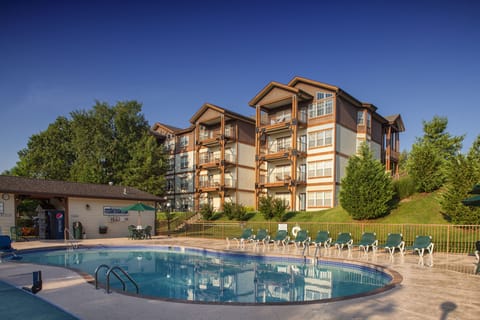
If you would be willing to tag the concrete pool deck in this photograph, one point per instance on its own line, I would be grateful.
(444, 286)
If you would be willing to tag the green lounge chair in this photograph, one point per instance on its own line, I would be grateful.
(281, 237)
(247, 235)
(302, 238)
(394, 241)
(262, 236)
(368, 240)
(420, 244)
(343, 239)
(322, 239)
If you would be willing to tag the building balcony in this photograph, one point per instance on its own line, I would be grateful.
(214, 185)
(213, 137)
(214, 161)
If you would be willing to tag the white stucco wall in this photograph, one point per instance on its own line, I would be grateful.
(7, 217)
(93, 217)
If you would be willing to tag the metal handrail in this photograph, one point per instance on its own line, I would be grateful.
(110, 270)
(73, 241)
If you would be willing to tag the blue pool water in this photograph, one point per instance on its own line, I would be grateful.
(208, 276)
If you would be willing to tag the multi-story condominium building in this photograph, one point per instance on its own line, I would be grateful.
(212, 161)
(179, 144)
(305, 133)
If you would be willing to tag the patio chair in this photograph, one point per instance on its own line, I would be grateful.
(281, 238)
(394, 241)
(368, 240)
(147, 232)
(343, 239)
(247, 235)
(302, 239)
(131, 231)
(420, 244)
(322, 239)
(262, 236)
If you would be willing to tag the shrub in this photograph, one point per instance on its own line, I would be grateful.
(207, 212)
(272, 207)
(235, 211)
(404, 187)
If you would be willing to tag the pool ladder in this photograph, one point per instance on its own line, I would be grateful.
(111, 270)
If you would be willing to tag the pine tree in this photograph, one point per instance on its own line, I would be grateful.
(367, 190)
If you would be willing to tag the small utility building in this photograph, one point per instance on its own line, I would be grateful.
(97, 207)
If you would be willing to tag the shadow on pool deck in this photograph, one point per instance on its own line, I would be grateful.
(442, 287)
(20, 304)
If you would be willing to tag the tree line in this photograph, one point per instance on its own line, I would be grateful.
(101, 145)
(436, 162)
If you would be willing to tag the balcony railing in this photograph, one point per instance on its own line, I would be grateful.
(272, 119)
(215, 183)
(214, 134)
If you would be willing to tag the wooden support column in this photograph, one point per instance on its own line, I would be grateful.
(197, 169)
(222, 161)
(294, 153)
(258, 137)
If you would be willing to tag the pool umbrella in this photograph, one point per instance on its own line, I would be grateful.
(139, 207)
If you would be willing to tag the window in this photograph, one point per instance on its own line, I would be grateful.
(360, 118)
(369, 121)
(183, 141)
(320, 169)
(320, 138)
(282, 172)
(171, 164)
(285, 197)
(170, 185)
(183, 184)
(323, 105)
(320, 199)
(283, 143)
(323, 95)
(184, 162)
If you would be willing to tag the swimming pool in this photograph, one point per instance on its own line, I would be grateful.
(197, 275)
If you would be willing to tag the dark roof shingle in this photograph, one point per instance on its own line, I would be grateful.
(39, 187)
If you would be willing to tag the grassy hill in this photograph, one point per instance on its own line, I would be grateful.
(421, 208)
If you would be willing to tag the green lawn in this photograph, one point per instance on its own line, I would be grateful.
(419, 209)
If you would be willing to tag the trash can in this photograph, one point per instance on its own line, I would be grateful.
(77, 230)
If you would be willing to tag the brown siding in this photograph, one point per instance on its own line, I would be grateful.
(275, 94)
(347, 114)
(311, 89)
(377, 131)
(209, 114)
(246, 132)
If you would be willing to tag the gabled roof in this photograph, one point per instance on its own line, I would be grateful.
(54, 188)
(396, 120)
(169, 128)
(276, 85)
(228, 113)
(326, 86)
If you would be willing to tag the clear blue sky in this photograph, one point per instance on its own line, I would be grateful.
(416, 58)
